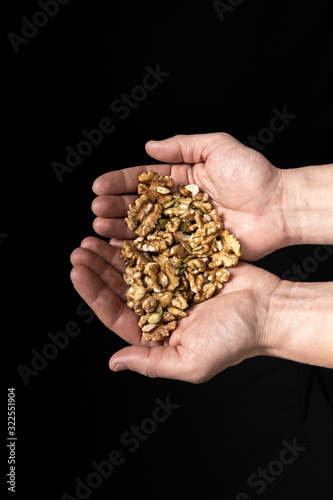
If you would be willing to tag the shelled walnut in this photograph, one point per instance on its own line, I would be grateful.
(181, 254)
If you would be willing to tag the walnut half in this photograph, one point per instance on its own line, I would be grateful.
(180, 257)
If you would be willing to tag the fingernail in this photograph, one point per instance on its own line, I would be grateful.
(120, 367)
(116, 243)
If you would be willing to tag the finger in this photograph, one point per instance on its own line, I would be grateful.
(112, 206)
(160, 361)
(110, 228)
(111, 254)
(185, 148)
(112, 278)
(117, 243)
(112, 311)
(125, 180)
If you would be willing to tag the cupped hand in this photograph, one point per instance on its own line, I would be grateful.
(245, 188)
(221, 332)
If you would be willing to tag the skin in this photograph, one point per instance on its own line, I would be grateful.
(256, 313)
(246, 189)
(230, 323)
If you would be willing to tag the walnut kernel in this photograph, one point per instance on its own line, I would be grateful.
(181, 254)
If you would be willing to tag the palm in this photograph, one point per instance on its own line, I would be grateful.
(216, 334)
(245, 188)
(242, 184)
(226, 329)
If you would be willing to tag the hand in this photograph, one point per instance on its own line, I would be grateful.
(244, 186)
(216, 334)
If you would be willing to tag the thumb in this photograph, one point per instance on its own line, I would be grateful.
(185, 148)
(159, 361)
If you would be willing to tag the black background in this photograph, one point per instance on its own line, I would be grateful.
(224, 75)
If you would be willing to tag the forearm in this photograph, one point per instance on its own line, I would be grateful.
(308, 204)
(300, 323)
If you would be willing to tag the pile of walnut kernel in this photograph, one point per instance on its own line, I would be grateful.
(180, 256)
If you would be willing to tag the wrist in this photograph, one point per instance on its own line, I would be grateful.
(299, 324)
(307, 204)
